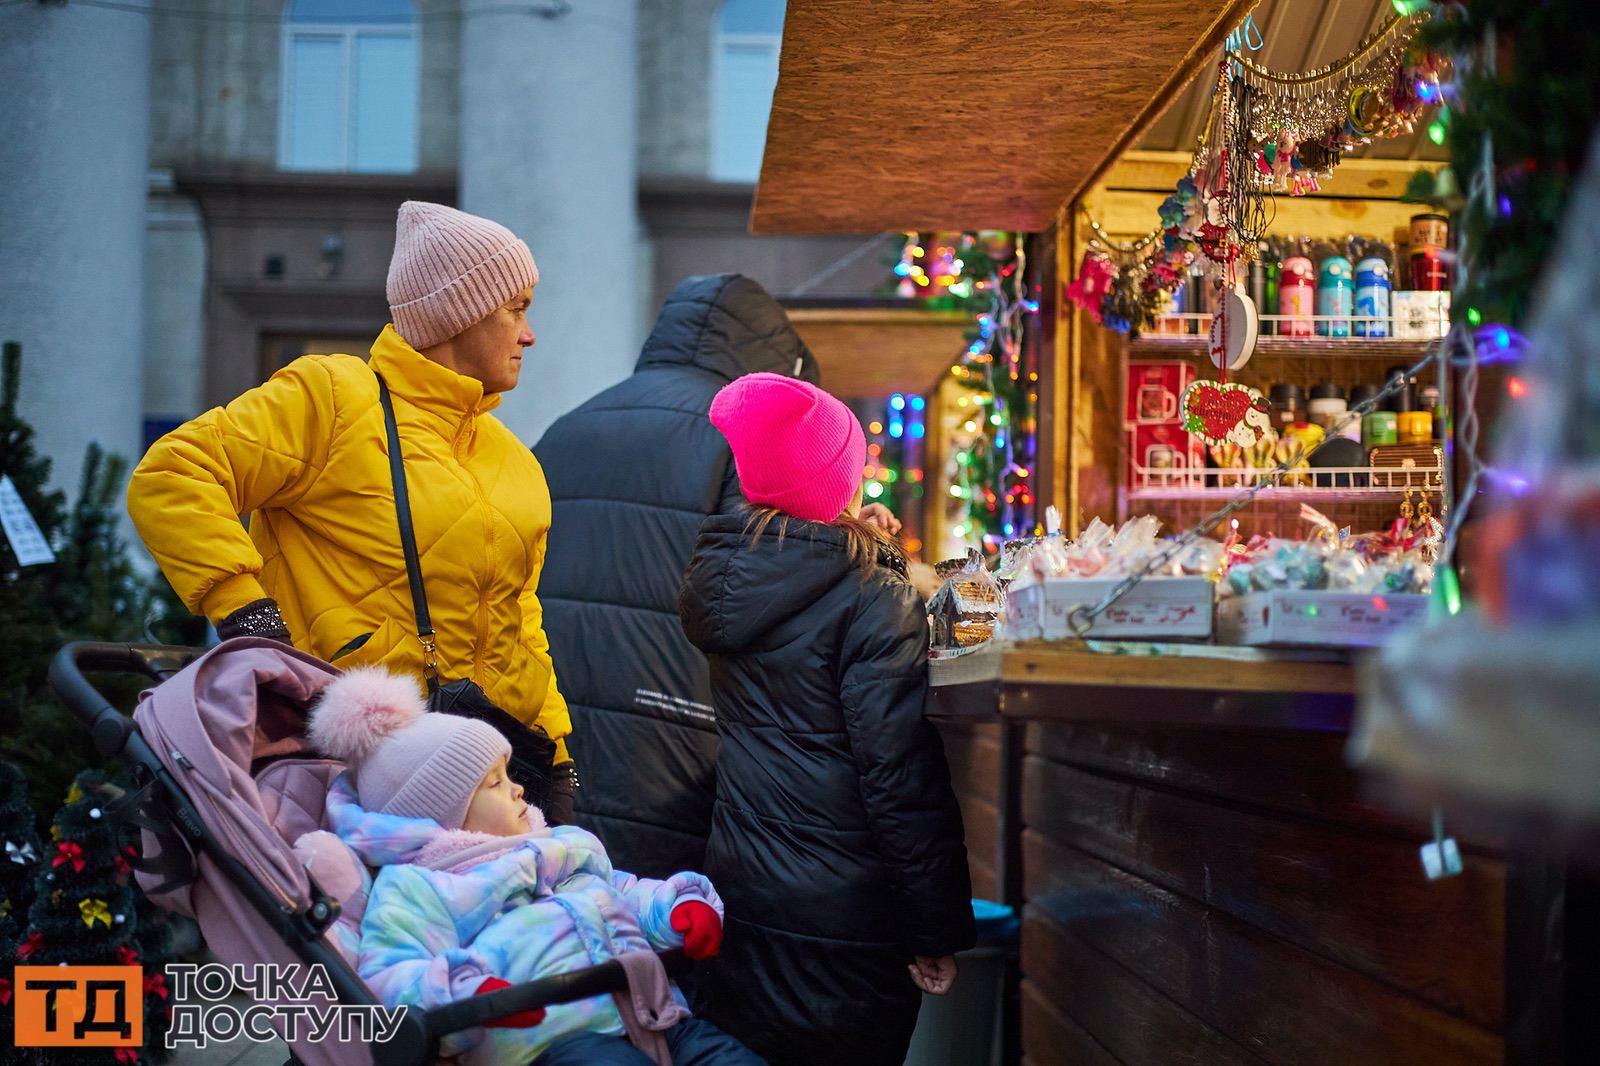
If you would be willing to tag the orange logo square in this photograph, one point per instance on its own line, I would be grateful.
(79, 1006)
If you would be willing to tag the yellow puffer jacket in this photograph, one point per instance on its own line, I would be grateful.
(306, 456)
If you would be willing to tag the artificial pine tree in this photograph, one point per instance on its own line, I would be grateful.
(85, 910)
(1526, 93)
(29, 631)
(91, 592)
(22, 851)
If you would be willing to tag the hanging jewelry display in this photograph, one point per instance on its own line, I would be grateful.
(1267, 132)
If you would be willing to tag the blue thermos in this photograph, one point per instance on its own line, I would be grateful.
(1372, 297)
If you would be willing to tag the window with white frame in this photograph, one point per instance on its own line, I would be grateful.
(744, 73)
(348, 98)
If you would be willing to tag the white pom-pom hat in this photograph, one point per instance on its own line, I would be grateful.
(406, 762)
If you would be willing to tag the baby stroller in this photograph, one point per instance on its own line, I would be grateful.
(225, 786)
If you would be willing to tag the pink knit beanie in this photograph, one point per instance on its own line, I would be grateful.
(795, 447)
(406, 762)
(450, 269)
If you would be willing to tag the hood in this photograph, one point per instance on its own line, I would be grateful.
(734, 594)
(389, 839)
(729, 325)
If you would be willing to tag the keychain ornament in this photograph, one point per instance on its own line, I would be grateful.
(1234, 329)
(1218, 413)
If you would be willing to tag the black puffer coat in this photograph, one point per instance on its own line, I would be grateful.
(836, 841)
(632, 473)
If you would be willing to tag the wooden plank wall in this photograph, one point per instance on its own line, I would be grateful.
(973, 751)
(1208, 896)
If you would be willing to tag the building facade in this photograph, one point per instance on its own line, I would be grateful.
(226, 189)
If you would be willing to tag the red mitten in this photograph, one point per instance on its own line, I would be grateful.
(700, 926)
(524, 1020)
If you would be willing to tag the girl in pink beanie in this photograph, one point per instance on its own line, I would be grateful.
(475, 893)
(836, 840)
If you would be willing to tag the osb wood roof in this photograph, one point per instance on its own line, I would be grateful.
(967, 116)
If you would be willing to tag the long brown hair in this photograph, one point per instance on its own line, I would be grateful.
(862, 540)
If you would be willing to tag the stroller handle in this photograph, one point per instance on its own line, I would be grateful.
(109, 727)
(545, 992)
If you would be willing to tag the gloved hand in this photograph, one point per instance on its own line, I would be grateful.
(258, 618)
(562, 792)
(700, 926)
(521, 1020)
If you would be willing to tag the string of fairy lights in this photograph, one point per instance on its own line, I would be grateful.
(994, 449)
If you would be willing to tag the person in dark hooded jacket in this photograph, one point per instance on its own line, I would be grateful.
(836, 840)
(632, 474)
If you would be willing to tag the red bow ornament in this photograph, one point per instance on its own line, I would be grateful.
(69, 852)
(156, 985)
(126, 956)
(5, 991)
(26, 949)
(1400, 537)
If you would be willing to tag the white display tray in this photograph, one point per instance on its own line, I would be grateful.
(1318, 618)
(1156, 608)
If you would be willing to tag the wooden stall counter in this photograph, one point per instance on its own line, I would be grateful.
(1126, 681)
(1202, 877)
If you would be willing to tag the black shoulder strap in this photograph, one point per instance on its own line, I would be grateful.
(408, 539)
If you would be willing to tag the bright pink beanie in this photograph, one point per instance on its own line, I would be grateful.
(449, 270)
(795, 447)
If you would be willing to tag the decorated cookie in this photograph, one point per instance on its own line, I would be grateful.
(1217, 412)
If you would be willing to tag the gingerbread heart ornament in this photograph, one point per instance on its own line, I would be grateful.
(1219, 413)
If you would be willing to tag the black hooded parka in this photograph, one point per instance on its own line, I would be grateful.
(836, 841)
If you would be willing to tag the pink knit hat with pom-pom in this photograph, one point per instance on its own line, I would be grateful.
(407, 762)
(795, 447)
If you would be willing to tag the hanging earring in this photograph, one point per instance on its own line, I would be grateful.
(1406, 510)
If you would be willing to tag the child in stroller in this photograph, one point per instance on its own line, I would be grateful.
(475, 892)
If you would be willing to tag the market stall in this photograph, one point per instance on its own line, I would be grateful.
(1246, 406)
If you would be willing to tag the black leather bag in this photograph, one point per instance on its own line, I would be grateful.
(532, 750)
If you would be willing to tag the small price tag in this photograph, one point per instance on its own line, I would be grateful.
(27, 542)
(1441, 858)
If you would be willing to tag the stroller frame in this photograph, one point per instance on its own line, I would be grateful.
(162, 807)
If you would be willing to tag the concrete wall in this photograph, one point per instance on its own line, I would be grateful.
(675, 39)
(439, 102)
(72, 222)
(549, 148)
(215, 84)
(174, 319)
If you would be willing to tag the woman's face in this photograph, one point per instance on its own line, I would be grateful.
(491, 349)
(497, 807)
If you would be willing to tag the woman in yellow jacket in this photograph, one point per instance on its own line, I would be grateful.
(306, 457)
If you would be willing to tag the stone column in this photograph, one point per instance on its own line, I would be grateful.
(73, 149)
(549, 148)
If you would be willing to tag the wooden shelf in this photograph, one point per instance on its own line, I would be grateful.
(1131, 682)
(1378, 349)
